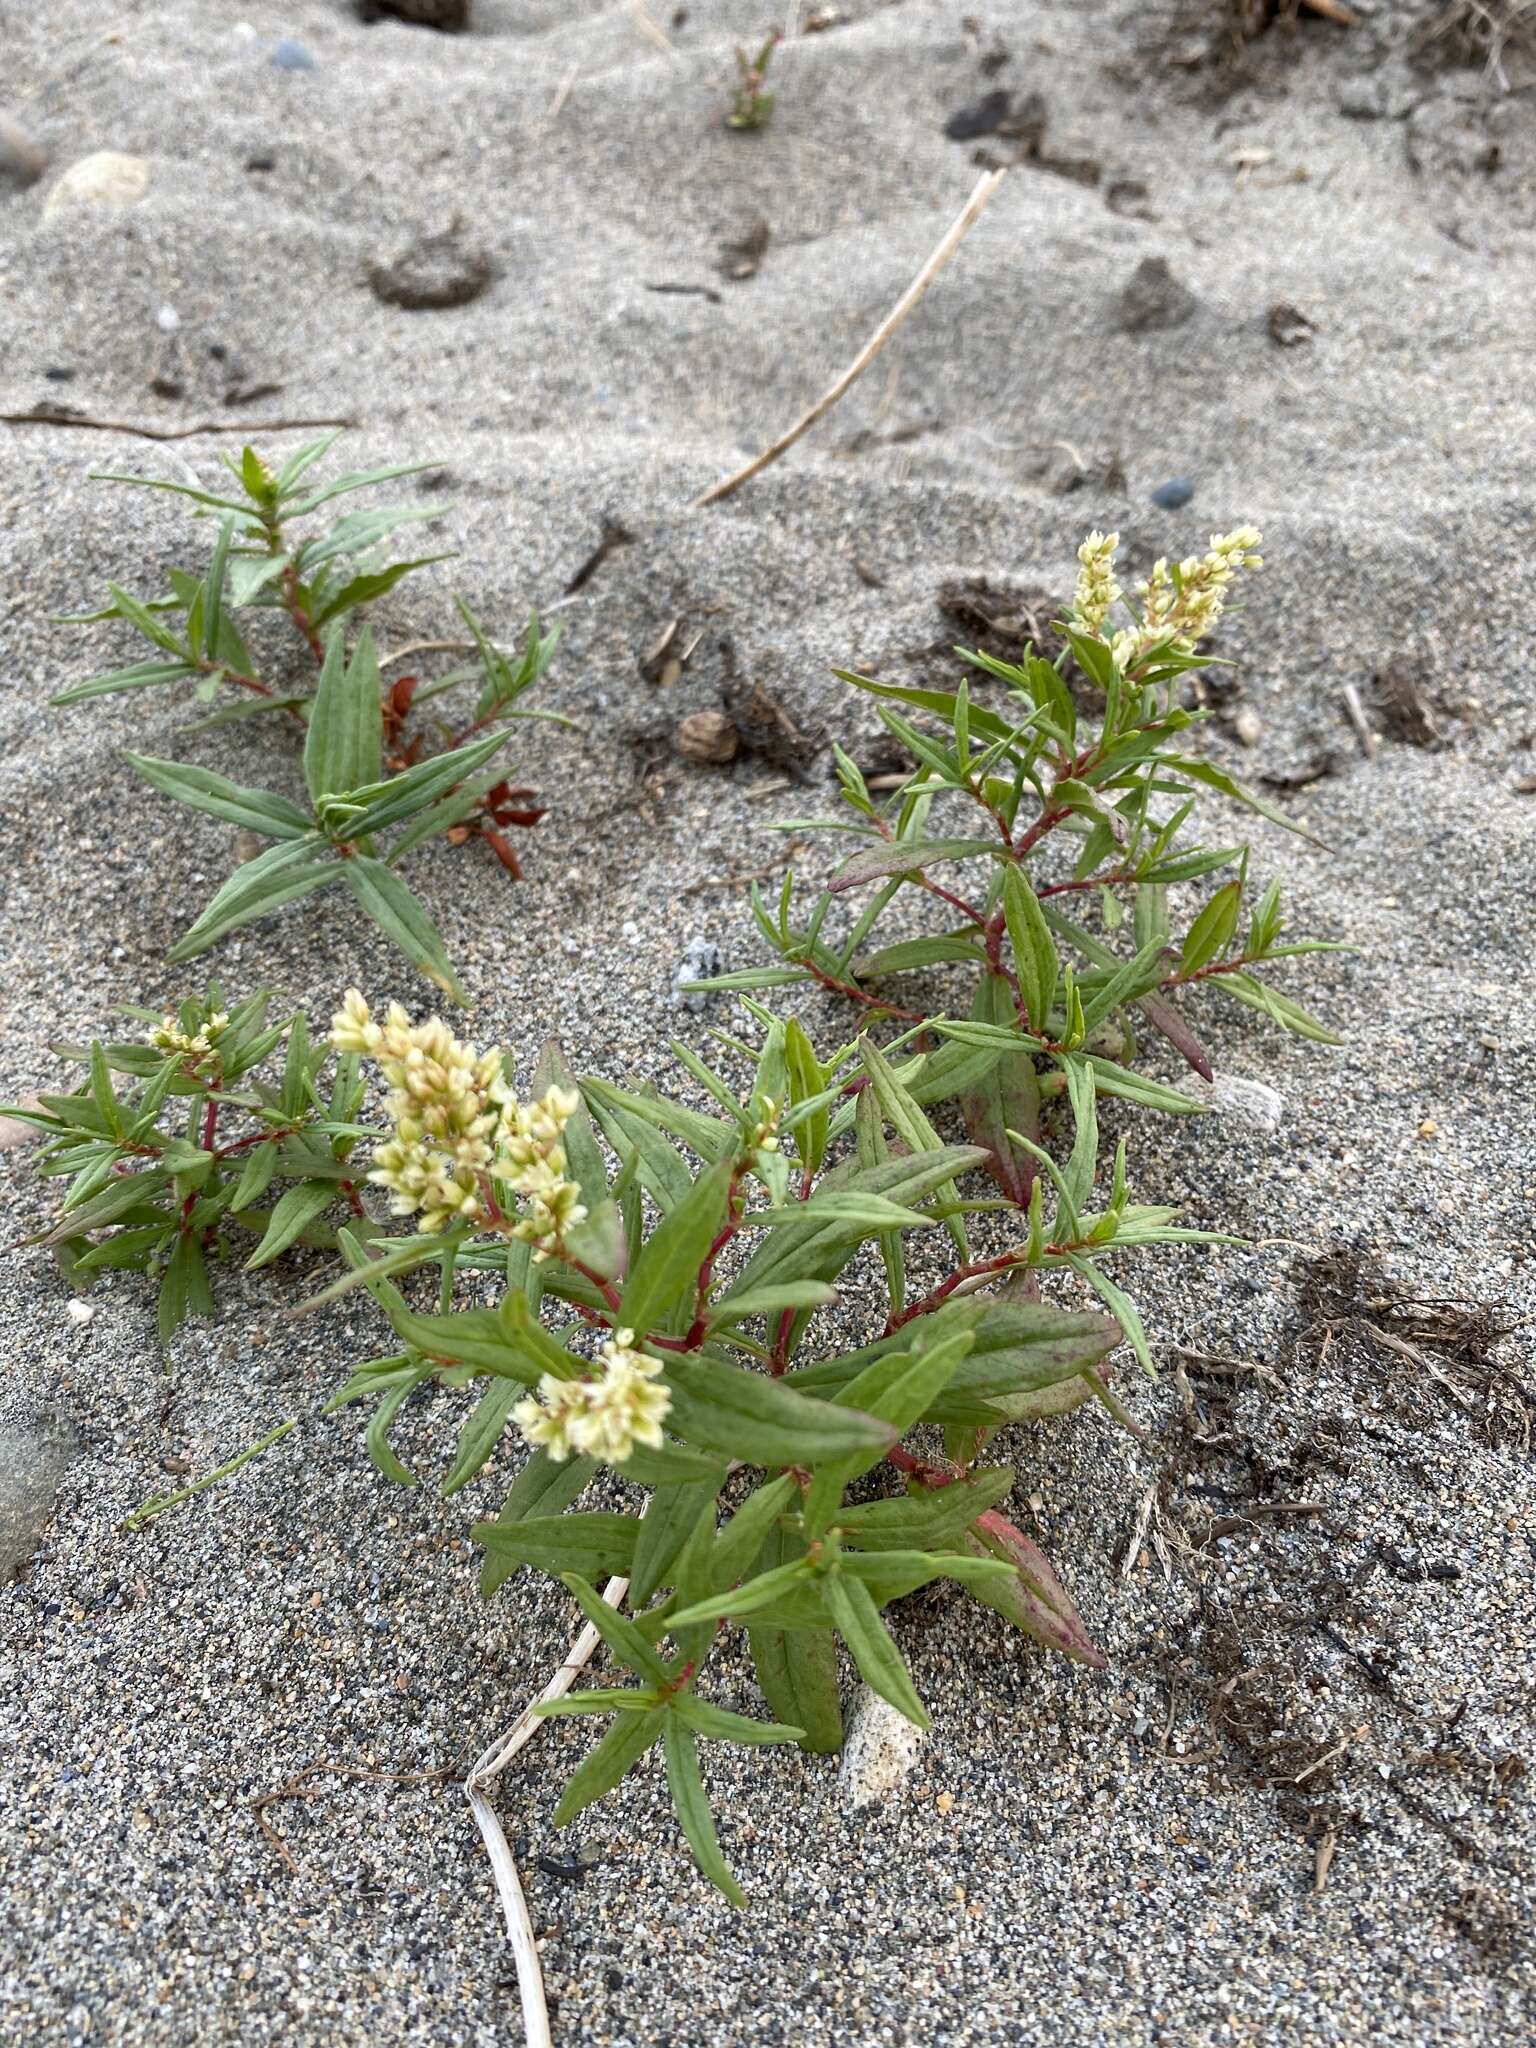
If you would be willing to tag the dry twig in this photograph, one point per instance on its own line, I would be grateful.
(530, 1978)
(972, 211)
(57, 416)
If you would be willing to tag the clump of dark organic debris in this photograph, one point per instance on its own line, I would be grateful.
(1423, 1353)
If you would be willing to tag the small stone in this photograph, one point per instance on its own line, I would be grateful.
(291, 55)
(106, 179)
(702, 961)
(167, 319)
(434, 272)
(20, 157)
(1176, 492)
(1246, 727)
(448, 15)
(880, 1750)
(79, 1312)
(1154, 299)
(1247, 1102)
(707, 736)
(35, 1453)
(248, 844)
(985, 118)
(1288, 326)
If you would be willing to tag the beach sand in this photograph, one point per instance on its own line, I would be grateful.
(1130, 1856)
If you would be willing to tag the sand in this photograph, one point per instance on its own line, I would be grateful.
(1130, 1856)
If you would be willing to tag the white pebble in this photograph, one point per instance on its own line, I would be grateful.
(1248, 1102)
(79, 1311)
(106, 179)
(880, 1751)
(167, 319)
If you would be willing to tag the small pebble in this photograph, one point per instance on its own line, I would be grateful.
(1246, 727)
(24, 159)
(106, 179)
(707, 736)
(79, 1311)
(702, 960)
(1176, 492)
(291, 56)
(879, 1752)
(167, 319)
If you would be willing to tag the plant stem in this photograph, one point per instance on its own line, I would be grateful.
(145, 1514)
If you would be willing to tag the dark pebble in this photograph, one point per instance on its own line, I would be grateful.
(1176, 492)
(985, 118)
(58, 376)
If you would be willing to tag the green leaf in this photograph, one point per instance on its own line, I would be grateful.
(906, 1118)
(798, 1677)
(617, 1631)
(1004, 1099)
(687, 1788)
(373, 583)
(669, 1265)
(1119, 1304)
(906, 856)
(482, 1432)
(624, 1744)
(1211, 933)
(670, 1518)
(256, 809)
(1258, 995)
(402, 919)
(739, 1414)
(880, 1663)
(596, 1544)
(296, 1208)
(543, 1487)
(184, 1290)
(927, 1519)
(141, 675)
(144, 621)
(721, 1726)
(1036, 961)
(770, 1301)
(387, 803)
(343, 749)
(357, 480)
(279, 875)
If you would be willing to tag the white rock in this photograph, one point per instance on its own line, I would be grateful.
(1248, 1102)
(879, 1752)
(167, 319)
(79, 1311)
(106, 179)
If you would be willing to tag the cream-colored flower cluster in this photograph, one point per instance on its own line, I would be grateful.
(458, 1125)
(604, 1417)
(1097, 589)
(196, 1046)
(1183, 611)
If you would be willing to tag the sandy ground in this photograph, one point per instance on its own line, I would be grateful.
(1127, 1857)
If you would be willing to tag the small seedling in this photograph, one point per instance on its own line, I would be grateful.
(366, 771)
(751, 105)
(184, 1160)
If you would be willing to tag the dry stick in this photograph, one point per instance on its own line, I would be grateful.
(43, 416)
(1355, 712)
(974, 207)
(530, 1978)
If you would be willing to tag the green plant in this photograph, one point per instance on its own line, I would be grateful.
(751, 104)
(1071, 812)
(364, 770)
(257, 566)
(163, 1169)
(671, 1320)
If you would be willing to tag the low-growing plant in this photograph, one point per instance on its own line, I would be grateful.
(751, 104)
(671, 1320)
(1072, 810)
(364, 768)
(183, 1158)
